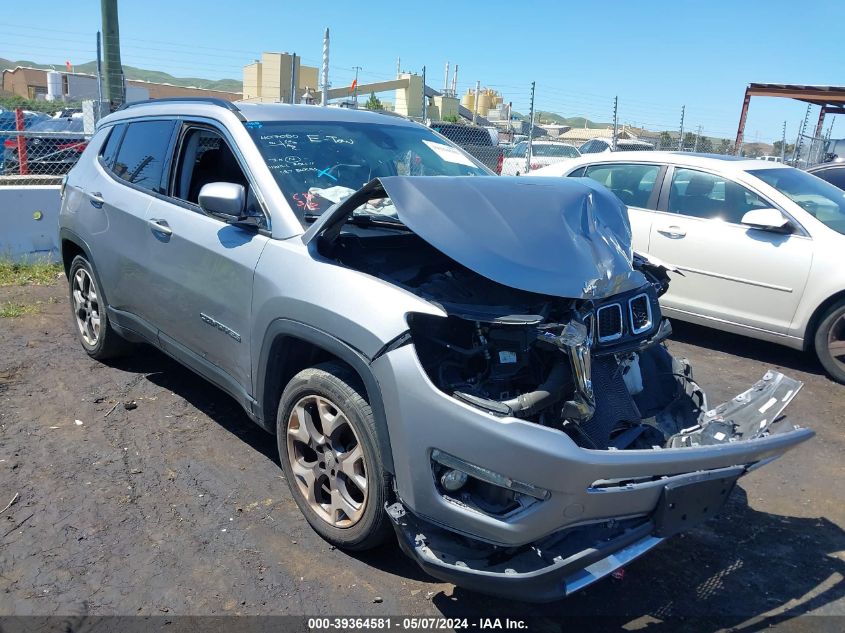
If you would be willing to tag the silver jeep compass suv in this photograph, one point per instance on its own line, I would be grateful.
(475, 362)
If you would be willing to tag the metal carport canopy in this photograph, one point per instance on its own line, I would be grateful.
(830, 98)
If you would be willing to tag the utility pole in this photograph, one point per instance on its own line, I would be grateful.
(783, 143)
(398, 66)
(424, 98)
(324, 89)
(800, 140)
(615, 121)
(293, 79)
(697, 136)
(115, 90)
(681, 133)
(99, 112)
(446, 81)
(355, 83)
(455, 82)
(475, 108)
(530, 130)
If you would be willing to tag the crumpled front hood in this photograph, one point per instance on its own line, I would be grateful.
(555, 236)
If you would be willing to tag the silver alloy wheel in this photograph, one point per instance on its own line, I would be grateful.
(327, 460)
(836, 341)
(86, 307)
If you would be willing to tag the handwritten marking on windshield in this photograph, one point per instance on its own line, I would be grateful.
(325, 172)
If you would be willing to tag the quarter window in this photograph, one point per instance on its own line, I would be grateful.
(112, 143)
(142, 153)
(702, 195)
(632, 183)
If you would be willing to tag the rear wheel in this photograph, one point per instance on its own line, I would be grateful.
(327, 447)
(830, 341)
(93, 328)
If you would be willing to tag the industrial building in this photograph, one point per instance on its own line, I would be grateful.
(269, 80)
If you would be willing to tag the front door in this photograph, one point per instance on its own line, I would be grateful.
(201, 267)
(732, 272)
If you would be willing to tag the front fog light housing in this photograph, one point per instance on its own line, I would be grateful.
(483, 474)
(453, 479)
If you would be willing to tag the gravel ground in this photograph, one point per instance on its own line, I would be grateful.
(178, 505)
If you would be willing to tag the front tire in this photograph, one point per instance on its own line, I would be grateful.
(326, 436)
(830, 341)
(88, 308)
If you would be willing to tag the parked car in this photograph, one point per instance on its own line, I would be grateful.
(542, 153)
(834, 150)
(9, 122)
(474, 140)
(772, 159)
(834, 173)
(599, 145)
(53, 147)
(458, 355)
(759, 244)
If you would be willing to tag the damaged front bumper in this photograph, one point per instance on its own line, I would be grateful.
(596, 509)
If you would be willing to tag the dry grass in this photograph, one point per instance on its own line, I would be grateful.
(37, 272)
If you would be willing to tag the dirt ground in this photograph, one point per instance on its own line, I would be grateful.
(178, 506)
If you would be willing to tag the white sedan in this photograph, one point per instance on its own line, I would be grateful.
(543, 153)
(760, 245)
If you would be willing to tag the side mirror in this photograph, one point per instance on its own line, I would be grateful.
(223, 200)
(767, 220)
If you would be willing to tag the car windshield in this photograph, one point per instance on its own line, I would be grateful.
(820, 199)
(552, 149)
(319, 164)
(59, 125)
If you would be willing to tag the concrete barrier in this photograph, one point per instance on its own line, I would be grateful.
(29, 222)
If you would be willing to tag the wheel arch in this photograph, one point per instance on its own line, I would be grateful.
(291, 346)
(818, 313)
(71, 245)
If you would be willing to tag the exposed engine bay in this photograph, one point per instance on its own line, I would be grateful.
(593, 366)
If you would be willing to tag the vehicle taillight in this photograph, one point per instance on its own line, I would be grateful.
(10, 143)
(499, 163)
(535, 165)
(76, 146)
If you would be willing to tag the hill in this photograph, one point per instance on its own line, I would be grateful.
(140, 74)
(573, 121)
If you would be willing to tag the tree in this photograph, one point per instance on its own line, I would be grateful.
(725, 146)
(451, 118)
(373, 103)
(666, 141)
(790, 148)
(705, 145)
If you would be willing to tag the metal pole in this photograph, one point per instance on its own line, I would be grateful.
(783, 144)
(111, 53)
(446, 80)
(681, 133)
(697, 136)
(324, 92)
(293, 78)
(424, 98)
(99, 111)
(355, 92)
(615, 121)
(740, 130)
(455, 82)
(530, 131)
(475, 109)
(799, 141)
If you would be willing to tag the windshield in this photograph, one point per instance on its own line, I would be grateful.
(551, 149)
(319, 164)
(820, 199)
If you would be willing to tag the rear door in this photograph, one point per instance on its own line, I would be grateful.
(132, 164)
(201, 268)
(732, 272)
(638, 186)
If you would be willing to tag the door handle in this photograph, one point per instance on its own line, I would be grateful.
(673, 231)
(97, 200)
(159, 226)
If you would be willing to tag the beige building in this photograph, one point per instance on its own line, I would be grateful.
(268, 80)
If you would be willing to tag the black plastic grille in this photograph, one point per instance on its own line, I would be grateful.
(640, 313)
(610, 322)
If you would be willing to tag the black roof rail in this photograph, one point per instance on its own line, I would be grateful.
(207, 100)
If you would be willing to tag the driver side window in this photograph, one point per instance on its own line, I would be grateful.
(205, 157)
(702, 195)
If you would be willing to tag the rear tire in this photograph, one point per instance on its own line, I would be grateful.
(830, 341)
(88, 309)
(326, 436)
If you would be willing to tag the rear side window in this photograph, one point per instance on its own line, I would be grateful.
(835, 176)
(632, 184)
(142, 153)
(109, 152)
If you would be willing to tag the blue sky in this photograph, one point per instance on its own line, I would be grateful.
(656, 56)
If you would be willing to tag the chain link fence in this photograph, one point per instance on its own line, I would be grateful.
(808, 151)
(39, 148)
